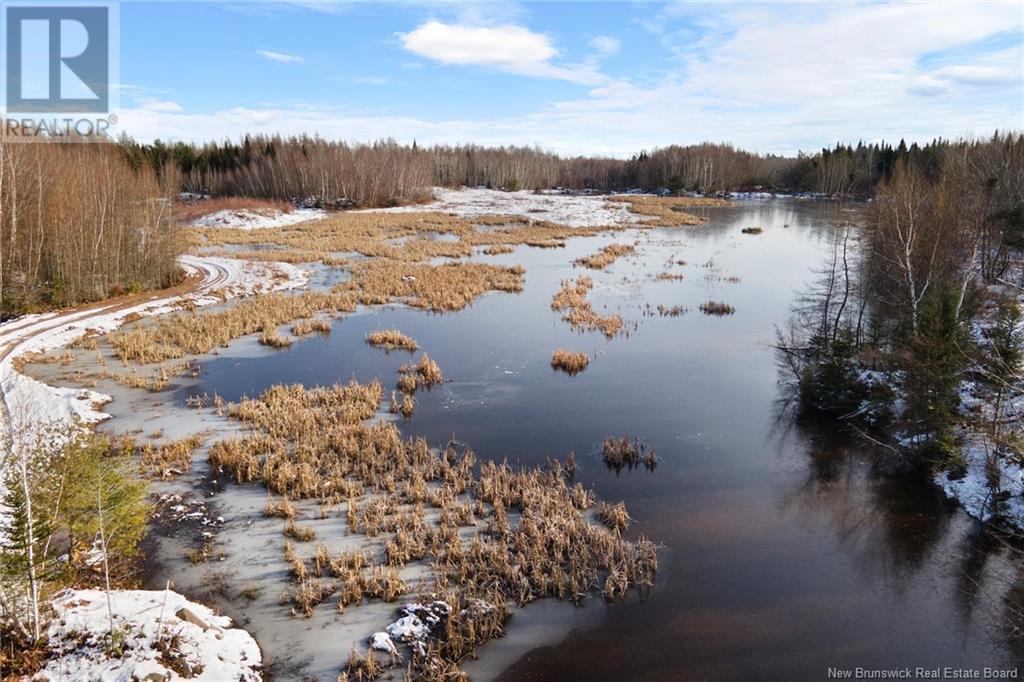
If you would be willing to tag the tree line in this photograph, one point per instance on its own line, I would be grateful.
(386, 173)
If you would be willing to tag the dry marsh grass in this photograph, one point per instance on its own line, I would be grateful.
(667, 211)
(446, 287)
(314, 444)
(167, 460)
(622, 452)
(571, 299)
(180, 334)
(392, 339)
(304, 327)
(605, 257)
(716, 308)
(571, 362)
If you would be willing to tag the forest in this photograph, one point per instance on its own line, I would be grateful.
(919, 300)
(83, 222)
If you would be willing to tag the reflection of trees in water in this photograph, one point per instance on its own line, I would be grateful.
(895, 525)
(890, 520)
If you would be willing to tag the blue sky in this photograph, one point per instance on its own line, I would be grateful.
(603, 78)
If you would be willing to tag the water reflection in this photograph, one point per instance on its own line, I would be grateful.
(786, 551)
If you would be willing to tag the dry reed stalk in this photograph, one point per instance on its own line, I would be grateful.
(667, 211)
(568, 361)
(716, 308)
(605, 257)
(168, 459)
(392, 339)
(303, 327)
(578, 312)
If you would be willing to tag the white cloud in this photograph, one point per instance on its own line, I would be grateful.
(165, 106)
(510, 48)
(606, 45)
(458, 44)
(977, 74)
(771, 79)
(282, 57)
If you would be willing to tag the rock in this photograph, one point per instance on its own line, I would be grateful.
(190, 616)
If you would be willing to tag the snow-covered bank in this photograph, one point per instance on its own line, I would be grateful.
(992, 485)
(974, 491)
(258, 218)
(26, 400)
(165, 636)
(566, 209)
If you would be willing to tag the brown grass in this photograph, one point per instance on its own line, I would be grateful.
(716, 308)
(619, 453)
(446, 287)
(392, 339)
(314, 444)
(177, 335)
(568, 361)
(605, 257)
(304, 327)
(168, 459)
(572, 299)
(667, 211)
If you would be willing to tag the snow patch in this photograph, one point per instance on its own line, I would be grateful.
(258, 218)
(566, 209)
(973, 491)
(157, 626)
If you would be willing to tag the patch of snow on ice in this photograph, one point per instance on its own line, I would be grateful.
(258, 218)
(192, 633)
(566, 209)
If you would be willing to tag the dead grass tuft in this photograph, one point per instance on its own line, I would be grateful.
(392, 339)
(605, 257)
(717, 308)
(667, 211)
(572, 299)
(168, 459)
(619, 453)
(568, 361)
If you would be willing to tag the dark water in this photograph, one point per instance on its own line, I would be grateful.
(785, 551)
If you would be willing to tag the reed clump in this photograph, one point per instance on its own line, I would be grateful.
(717, 308)
(392, 339)
(667, 211)
(605, 257)
(571, 299)
(167, 460)
(623, 452)
(318, 446)
(571, 362)
(180, 334)
(304, 327)
(441, 288)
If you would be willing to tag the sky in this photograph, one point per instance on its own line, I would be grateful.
(601, 78)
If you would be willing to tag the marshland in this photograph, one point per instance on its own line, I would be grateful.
(389, 449)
